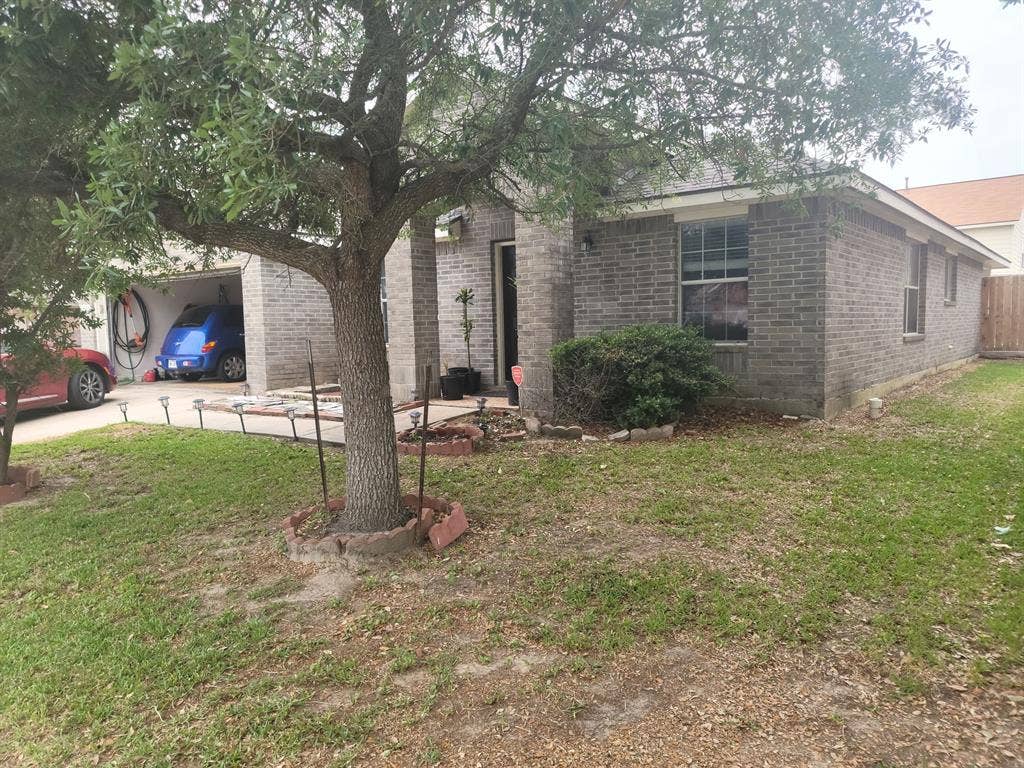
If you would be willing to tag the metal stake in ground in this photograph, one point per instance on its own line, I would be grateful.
(316, 422)
(423, 444)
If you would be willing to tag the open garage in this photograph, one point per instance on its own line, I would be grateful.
(140, 321)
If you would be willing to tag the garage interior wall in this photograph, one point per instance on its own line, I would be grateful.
(165, 303)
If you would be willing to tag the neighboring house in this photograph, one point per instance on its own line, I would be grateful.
(989, 210)
(812, 311)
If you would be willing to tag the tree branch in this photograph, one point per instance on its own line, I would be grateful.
(309, 257)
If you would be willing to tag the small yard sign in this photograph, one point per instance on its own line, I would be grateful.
(517, 375)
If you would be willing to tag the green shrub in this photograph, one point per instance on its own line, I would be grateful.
(640, 376)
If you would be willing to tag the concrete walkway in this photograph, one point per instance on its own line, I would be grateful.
(144, 406)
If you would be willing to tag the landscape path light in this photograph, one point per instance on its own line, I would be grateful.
(290, 411)
(164, 400)
(198, 404)
(240, 410)
(123, 405)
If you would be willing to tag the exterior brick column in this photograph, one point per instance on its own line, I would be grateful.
(283, 307)
(544, 280)
(410, 269)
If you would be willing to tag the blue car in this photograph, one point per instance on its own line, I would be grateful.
(205, 341)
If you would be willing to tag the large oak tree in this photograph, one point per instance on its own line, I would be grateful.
(310, 132)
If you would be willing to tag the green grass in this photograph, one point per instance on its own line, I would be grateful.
(111, 652)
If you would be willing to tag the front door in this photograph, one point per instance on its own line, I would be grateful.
(508, 308)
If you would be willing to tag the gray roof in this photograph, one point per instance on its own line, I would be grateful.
(671, 180)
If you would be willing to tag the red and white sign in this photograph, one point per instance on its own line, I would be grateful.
(517, 375)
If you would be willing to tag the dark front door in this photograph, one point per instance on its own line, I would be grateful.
(510, 308)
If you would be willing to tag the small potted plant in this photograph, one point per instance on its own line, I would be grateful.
(453, 385)
(465, 298)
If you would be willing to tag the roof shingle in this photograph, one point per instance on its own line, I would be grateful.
(982, 201)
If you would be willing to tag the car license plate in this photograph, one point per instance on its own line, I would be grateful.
(172, 364)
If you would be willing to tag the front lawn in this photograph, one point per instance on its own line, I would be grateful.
(759, 590)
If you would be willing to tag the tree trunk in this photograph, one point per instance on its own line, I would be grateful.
(373, 498)
(7, 435)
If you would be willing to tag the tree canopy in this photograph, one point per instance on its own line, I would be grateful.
(299, 130)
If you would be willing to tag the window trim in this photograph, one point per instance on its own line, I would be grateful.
(682, 284)
(949, 296)
(918, 252)
(383, 303)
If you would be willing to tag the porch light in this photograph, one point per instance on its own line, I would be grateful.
(239, 408)
(290, 413)
(123, 405)
(455, 229)
(588, 243)
(414, 417)
(164, 400)
(198, 404)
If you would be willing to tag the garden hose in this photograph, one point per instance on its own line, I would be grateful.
(130, 330)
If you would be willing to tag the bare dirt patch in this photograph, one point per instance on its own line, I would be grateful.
(710, 706)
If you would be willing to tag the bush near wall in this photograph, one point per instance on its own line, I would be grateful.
(640, 376)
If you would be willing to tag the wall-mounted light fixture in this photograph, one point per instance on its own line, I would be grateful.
(587, 243)
(455, 228)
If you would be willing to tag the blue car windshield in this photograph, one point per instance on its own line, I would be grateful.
(194, 317)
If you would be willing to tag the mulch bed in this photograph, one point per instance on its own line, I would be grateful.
(444, 440)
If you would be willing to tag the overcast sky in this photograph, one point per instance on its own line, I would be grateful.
(992, 38)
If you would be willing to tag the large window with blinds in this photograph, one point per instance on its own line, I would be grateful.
(713, 269)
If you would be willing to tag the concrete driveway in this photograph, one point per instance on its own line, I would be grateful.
(144, 406)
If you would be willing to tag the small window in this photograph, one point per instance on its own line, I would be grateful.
(951, 278)
(713, 269)
(912, 291)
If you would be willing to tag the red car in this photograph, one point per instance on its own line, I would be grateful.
(82, 386)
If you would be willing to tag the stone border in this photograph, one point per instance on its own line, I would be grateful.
(336, 546)
(462, 446)
(274, 410)
(509, 437)
(11, 492)
(23, 478)
(664, 432)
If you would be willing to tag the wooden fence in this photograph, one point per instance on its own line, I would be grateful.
(1002, 315)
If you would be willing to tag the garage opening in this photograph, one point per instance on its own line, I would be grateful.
(140, 322)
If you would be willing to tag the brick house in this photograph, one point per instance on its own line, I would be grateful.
(812, 308)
